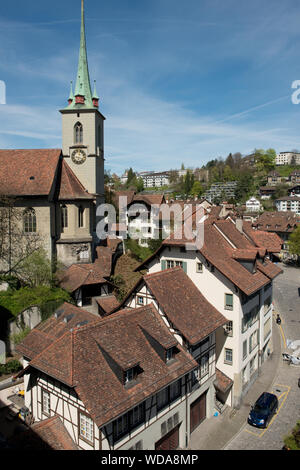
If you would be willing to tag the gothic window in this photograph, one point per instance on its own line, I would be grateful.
(29, 219)
(64, 217)
(78, 133)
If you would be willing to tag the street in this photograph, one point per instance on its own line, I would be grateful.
(285, 386)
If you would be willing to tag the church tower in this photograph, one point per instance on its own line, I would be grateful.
(82, 127)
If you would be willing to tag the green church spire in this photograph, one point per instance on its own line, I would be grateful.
(83, 91)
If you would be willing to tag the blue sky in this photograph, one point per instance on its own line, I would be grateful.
(178, 81)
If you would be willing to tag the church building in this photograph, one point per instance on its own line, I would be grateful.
(57, 191)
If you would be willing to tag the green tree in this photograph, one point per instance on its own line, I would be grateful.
(187, 183)
(294, 242)
(130, 178)
(227, 173)
(36, 270)
(245, 188)
(266, 160)
(197, 189)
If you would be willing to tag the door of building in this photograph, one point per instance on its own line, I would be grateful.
(170, 441)
(198, 412)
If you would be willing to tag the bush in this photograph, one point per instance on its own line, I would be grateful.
(15, 301)
(10, 367)
(292, 442)
(17, 338)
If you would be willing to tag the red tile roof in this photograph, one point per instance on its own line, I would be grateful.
(108, 303)
(103, 261)
(79, 275)
(184, 305)
(222, 382)
(268, 240)
(67, 317)
(92, 359)
(49, 434)
(28, 172)
(221, 241)
(70, 186)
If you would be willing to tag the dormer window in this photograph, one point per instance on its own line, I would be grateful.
(130, 375)
(169, 354)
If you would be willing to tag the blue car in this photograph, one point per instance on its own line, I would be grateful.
(262, 412)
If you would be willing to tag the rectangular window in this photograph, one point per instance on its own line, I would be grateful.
(137, 416)
(162, 398)
(228, 356)
(169, 354)
(204, 364)
(80, 217)
(175, 390)
(199, 267)
(229, 301)
(229, 328)
(46, 407)
(141, 300)
(64, 217)
(86, 428)
(137, 446)
(244, 349)
(129, 375)
(121, 426)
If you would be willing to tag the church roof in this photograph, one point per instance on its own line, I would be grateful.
(70, 186)
(28, 172)
(35, 172)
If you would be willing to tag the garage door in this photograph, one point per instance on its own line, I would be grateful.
(198, 412)
(170, 441)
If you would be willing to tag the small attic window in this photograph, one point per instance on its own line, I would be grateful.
(32, 178)
(131, 375)
(169, 354)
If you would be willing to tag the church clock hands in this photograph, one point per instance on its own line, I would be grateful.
(78, 156)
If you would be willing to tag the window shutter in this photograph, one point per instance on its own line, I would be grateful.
(163, 265)
(184, 266)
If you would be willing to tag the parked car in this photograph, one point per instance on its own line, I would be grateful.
(263, 410)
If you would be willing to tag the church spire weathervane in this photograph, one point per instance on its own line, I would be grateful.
(83, 93)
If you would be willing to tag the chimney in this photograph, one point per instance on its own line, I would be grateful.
(239, 225)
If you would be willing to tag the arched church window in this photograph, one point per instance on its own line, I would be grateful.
(64, 217)
(78, 133)
(29, 219)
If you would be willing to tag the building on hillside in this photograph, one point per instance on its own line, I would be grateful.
(236, 277)
(266, 192)
(155, 180)
(294, 191)
(274, 178)
(58, 191)
(288, 158)
(221, 190)
(295, 177)
(288, 204)
(253, 205)
(123, 382)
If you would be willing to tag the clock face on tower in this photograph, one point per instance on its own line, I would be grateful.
(78, 156)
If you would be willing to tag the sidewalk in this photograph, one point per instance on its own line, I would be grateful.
(217, 432)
